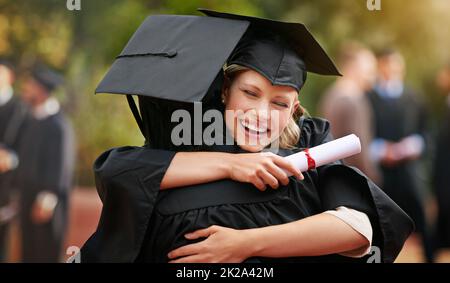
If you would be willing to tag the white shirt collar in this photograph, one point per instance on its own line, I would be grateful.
(390, 88)
(6, 95)
(48, 108)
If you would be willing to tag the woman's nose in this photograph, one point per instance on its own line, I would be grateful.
(263, 110)
(260, 105)
(263, 115)
(260, 113)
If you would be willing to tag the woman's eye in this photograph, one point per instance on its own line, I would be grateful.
(250, 93)
(281, 104)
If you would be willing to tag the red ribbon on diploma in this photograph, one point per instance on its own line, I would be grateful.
(311, 161)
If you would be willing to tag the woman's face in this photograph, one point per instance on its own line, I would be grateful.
(257, 112)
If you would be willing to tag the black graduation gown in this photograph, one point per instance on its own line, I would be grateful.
(140, 223)
(12, 117)
(47, 163)
(441, 180)
(397, 118)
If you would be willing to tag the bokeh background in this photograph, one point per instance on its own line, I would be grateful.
(82, 45)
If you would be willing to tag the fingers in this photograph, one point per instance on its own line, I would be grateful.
(5, 161)
(197, 252)
(268, 178)
(271, 170)
(278, 173)
(190, 259)
(258, 183)
(4, 165)
(184, 251)
(281, 162)
(202, 233)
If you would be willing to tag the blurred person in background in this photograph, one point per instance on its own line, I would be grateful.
(441, 178)
(347, 107)
(13, 115)
(45, 170)
(400, 140)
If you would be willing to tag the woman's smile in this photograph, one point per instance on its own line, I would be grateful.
(254, 127)
(253, 132)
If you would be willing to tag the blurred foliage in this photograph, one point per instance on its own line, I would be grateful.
(83, 44)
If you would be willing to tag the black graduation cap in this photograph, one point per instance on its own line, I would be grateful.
(282, 52)
(173, 57)
(47, 77)
(178, 58)
(7, 63)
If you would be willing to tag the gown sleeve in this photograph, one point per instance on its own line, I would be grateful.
(341, 185)
(128, 181)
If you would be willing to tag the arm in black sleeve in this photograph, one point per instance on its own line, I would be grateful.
(128, 181)
(57, 159)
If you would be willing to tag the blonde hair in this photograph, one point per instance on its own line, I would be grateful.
(290, 136)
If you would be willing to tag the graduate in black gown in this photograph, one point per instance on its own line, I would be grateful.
(400, 140)
(13, 114)
(441, 178)
(141, 222)
(45, 170)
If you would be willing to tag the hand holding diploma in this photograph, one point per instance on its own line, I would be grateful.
(266, 168)
(325, 153)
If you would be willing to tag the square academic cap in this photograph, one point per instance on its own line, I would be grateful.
(7, 63)
(173, 57)
(47, 77)
(178, 57)
(295, 34)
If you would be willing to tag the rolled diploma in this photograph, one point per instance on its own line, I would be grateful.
(327, 153)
